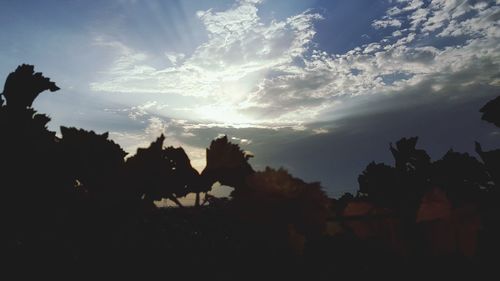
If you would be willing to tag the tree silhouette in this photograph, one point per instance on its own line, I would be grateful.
(460, 175)
(413, 166)
(76, 201)
(408, 158)
(490, 203)
(381, 184)
(35, 197)
(94, 163)
(185, 179)
(26, 146)
(491, 160)
(24, 85)
(277, 196)
(162, 172)
(227, 164)
(400, 187)
(491, 111)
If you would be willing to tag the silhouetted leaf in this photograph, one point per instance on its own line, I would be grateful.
(24, 85)
(491, 111)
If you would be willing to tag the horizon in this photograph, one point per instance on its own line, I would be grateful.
(319, 88)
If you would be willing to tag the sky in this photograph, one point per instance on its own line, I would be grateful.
(317, 87)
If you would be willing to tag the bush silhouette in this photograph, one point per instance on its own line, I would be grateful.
(461, 176)
(94, 163)
(77, 202)
(491, 112)
(382, 184)
(162, 172)
(23, 86)
(226, 163)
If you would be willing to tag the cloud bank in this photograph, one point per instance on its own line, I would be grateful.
(254, 72)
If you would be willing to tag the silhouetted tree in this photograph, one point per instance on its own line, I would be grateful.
(227, 164)
(305, 205)
(68, 201)
(402, 186)
(491, 160)
(381, 184)
(94, 163)
(35, 197)
(408, 158)
(26, 145)
(24, 85)
(490, 203)
(413, 166)
(491, 111)
(162, 172)
(185, 179)
(460, 175)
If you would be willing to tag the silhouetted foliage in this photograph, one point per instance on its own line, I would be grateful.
(460, 175)
(382, 184)
(491, 111)
(423, 195)
(491, 160)
(407, 157)
(94, 163)
(401, 187)
(227, 164)
(162, 173)
(490, 204)
(75, 202)
(277, 196)
(24, 85)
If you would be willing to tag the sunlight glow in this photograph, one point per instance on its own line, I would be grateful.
(223, 113)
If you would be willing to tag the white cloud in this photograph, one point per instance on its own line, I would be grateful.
(485, 24)
(240, 53)
(175, 58)
(397, 33)
(320, 131)
(253, 73)
(242, 141)
(140, 111)
(386, 23)
(156, 126)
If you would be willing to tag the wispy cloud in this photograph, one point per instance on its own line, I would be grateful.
(251, 72)
(383, 23)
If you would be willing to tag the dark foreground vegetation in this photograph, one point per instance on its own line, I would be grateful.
(76, 206)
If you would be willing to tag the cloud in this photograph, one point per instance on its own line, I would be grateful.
(272, 90)
(273, 74)
(386, 23)
(439, 109)
(154, 127)
(241, 140)
(319, 131)
(175, 58)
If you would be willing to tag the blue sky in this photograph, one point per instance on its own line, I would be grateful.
(317, 87)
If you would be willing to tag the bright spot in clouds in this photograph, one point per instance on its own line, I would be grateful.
(255, 72)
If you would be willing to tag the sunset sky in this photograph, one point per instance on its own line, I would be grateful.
(318, 87)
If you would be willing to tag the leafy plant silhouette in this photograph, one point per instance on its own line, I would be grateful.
(78, 202)
(162, 172)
